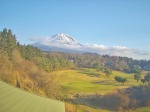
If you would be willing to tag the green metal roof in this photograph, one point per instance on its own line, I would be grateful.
(16, 100)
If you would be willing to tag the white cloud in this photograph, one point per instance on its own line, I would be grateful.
(116, 51)
(97, 48)
(119, 51)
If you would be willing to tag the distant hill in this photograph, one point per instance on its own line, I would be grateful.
(16, 100)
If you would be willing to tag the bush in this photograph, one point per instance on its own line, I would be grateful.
(120, 79)
(141, 94)
(118, 101)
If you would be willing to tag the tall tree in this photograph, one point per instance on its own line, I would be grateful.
(147, 78)
(138, 73)
(120, 79)
(137, 76)
(107, 71)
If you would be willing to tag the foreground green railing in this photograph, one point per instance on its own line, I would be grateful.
(15, 100)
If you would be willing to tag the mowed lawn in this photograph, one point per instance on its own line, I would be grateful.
(15, 100)
(144, 109)
(89, 81)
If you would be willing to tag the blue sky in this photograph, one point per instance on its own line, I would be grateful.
(104, 22)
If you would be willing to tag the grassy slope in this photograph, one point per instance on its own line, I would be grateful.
(16, 100)
(90, 81)
(144, 109)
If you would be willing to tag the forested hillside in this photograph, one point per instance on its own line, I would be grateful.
(27, 67)
(89, 60)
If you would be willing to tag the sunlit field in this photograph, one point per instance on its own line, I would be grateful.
(89, 81)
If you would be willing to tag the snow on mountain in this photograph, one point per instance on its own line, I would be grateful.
(64, 39)
(58, 42)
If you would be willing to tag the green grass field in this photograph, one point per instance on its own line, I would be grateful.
(144, 109)
(89, 81)
(16, 100)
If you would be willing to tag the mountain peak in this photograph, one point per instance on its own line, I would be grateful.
(65, 39)
(61, 36)
(59, 40)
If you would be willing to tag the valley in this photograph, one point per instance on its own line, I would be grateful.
(83, 86)
(90, 81)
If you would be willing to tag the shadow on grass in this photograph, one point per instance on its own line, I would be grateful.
(109, 82)
(113, 101)
(88, 73)
(104, 82)
(94, 101)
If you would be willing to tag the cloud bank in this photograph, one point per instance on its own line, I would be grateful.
(96, 48)
(119, 51)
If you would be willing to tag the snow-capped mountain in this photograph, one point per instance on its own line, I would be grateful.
(58, 42)
(64, 39)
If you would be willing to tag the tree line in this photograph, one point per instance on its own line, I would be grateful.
(27, 67)
(100, 62)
